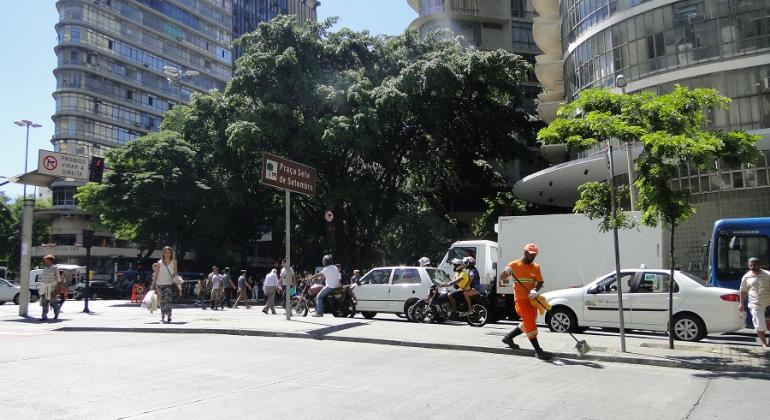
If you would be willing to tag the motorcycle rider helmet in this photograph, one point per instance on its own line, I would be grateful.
(469, 261)
(327, 260)
(458, 264)
(424, 262)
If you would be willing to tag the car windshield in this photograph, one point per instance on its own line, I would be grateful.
(5, 282)
(693, 277)
(437, 276)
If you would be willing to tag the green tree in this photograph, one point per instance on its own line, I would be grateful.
(672, 131)
(151, 195)
(502, 204)
(389, 122)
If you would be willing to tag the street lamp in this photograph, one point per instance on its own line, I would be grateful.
(26, 229)
(620, 81)
(28, 124)
(174, 75)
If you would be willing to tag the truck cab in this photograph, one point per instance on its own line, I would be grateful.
(72, 275)
(485, 253)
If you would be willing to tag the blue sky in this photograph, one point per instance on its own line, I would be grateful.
(27, 81)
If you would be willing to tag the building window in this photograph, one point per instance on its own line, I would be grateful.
(64, 196)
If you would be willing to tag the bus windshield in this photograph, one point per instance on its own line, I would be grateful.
(734, 251)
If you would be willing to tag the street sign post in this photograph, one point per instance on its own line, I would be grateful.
(62, 165)
(289, 176)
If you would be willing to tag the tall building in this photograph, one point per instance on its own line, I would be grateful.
(486, 25)
(112, 88)
(654, 45)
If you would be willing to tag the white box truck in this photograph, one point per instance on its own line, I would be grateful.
(573, 252)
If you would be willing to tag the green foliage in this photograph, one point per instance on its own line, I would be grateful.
(395, 126)
(151, 195)
(596, 203)
(11, 227)
(502, 204)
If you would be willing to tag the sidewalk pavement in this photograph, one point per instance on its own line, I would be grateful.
(741, 354)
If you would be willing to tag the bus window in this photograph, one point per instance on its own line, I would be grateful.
(734, 253)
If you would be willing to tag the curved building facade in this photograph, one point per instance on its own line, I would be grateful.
(111, 87)
(655, 45)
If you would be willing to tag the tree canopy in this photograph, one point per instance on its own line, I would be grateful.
(395, 126)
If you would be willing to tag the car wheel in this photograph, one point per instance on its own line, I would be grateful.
(2, 302)
(16, 299)
(408, 309)
(33, 297)
(368, 315)
(561, 319)
(689, 327)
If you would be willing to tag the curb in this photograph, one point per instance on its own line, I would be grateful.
(659, 362)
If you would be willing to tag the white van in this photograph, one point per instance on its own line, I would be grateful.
(72, 275)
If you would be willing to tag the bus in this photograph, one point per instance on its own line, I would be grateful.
(733, 242)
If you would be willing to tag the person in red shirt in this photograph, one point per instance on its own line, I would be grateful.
(527, 281)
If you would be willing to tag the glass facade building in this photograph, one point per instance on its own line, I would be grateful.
(110, 82)
(656, 45)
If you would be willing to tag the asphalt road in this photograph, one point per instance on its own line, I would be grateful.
(67, 375)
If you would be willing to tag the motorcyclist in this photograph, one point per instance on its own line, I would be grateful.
(332, 275)
(424, 262)
(473, 273)
(462, 282)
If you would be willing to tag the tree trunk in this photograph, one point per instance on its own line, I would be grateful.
(671, 292)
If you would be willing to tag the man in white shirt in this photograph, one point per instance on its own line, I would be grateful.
(756, 284)
(271, 282)
(332, 275)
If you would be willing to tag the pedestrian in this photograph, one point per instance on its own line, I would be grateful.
(526, 283)
(202, 292)
(217, 289)
(243, 290)
(50, 279)
(229, 287)
(332, 275)
(163, 275)
(61, 289)
(355, 277)
(271, 283)
(756, 285)
(287, 278)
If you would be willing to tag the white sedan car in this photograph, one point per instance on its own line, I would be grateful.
(698, 308)
(395, 289)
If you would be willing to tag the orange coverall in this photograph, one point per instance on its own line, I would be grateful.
(529, 276)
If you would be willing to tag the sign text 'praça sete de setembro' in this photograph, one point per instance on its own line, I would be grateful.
(289, 175)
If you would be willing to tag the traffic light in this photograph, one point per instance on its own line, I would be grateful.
(97, 169)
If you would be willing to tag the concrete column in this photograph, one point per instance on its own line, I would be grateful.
(26, 249)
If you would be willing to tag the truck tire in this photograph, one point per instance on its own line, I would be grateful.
(368, 315)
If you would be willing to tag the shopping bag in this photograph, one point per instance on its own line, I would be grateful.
(150, 301)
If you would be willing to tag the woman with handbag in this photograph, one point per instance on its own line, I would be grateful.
(163, 281)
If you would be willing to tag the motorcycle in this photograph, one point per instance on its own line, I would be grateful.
(341, 302)
(438, 308)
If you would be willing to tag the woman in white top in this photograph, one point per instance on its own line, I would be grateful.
(163, 275)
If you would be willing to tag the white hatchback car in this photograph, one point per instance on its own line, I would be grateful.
(699, 309)
(395, 289)
(9, 292)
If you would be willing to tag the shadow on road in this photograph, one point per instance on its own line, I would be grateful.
(335, 328)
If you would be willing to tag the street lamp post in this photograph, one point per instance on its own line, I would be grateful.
(620, 82)
(174, 75)
(26, 229)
